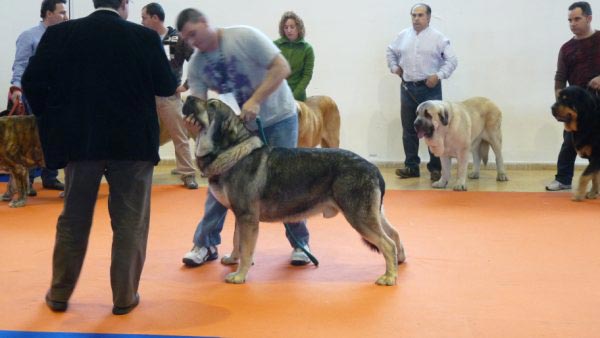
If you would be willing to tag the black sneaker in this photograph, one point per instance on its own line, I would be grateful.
(408, 172)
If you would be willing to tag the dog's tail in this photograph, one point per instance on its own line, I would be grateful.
(484, 150)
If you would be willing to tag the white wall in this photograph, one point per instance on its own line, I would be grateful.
(507, 51)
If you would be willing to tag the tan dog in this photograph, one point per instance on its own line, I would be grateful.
(318, 123)
(453, 129)
(20, 149)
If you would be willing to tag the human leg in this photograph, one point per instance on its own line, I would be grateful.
(169, 112)
(130, 186)
(73, 228)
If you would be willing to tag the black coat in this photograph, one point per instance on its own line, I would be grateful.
(92, 85)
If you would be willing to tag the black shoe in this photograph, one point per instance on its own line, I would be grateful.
(32, 192)
(125, 310)
(435, 175)
(53, 185)
(54, 305)
(408, 172)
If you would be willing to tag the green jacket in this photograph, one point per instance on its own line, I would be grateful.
(301, 58)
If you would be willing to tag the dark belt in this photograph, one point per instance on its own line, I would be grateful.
(416, 83)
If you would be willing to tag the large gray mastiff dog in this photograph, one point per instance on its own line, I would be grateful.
(268, 184)
(455, 129)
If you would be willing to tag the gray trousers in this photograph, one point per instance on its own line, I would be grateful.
(129, 208)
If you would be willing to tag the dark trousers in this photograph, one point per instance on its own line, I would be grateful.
(410, 98)
(48, 175)
(129, 208)
(565, 166)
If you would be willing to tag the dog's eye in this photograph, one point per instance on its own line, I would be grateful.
(427, 115)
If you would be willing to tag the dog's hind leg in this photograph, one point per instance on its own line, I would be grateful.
(247, 226)
(393, 234)
(10, 189)
(21, 184)
(496, 144)
(476, 151)
(595, 173)
(587, 175)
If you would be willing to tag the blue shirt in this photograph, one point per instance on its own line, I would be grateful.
(421, 55)
(27, 43)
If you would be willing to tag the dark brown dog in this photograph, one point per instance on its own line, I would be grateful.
(318, 123)
(20, 149)
(579, 110)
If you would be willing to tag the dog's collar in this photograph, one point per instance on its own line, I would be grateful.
(227, 159)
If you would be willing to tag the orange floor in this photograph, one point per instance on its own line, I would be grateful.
(479, 264)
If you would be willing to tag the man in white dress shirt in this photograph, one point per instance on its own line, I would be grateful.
(422, 57)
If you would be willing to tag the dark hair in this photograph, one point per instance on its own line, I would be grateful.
(586, 9)
(299, 24)
(421, 4)
(50, 5)
(189, 15)
(155, 9)
(114, 4)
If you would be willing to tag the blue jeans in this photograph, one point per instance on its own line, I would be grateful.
(208, 231)
(409, 100)
(566, 160)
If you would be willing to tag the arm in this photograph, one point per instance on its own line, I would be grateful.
(393, 59)
(560, 78)
(278, 71)
(309, 64)
(24, 51)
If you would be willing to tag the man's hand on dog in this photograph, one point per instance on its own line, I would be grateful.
(595, 83)
(16, 96)
(192, 124)
(250, 110)
(432, 81)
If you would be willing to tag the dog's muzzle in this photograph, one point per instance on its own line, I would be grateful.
(423, 128)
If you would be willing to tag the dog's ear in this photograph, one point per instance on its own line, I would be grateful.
(443, 114)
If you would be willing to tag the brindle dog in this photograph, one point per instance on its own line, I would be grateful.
(579, 110)
(20, 149)
(262, 183)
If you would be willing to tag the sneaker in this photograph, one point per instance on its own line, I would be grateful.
(435, 175)
(54, 185)
(7, 196)
(299, 257)
(200, 255)
(408, 172)
(189, 182)
(556, 186)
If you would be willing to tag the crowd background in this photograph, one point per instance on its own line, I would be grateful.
(508, 51)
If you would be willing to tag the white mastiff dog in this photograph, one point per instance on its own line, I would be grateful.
(453, 129)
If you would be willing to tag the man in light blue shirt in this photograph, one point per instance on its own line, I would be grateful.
(52, 12)
(422, 57)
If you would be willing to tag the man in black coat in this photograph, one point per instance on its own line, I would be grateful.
(92, 85)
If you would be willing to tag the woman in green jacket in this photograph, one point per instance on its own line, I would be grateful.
(297, 52)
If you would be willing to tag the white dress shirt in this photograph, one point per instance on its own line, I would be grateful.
(421, 55)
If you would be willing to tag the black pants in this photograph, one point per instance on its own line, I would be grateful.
(565, 166)
(410, 98)
(129, 208)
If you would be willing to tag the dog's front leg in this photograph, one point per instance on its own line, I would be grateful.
(446, 166)
(21, 181)
(593, 193)
(248, 234)
(462, 161)
(234, 256)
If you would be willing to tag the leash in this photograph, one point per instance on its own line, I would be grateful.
(407, 91)
(312, 258)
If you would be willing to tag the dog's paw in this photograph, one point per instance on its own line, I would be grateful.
(577, 198)
(501, 177)
(401, 256)
(460, 187)
(474, 176)
(17, 203)
(235, 278)
(441, 184)
(592, 195)
(386, 280)
(229, 260)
